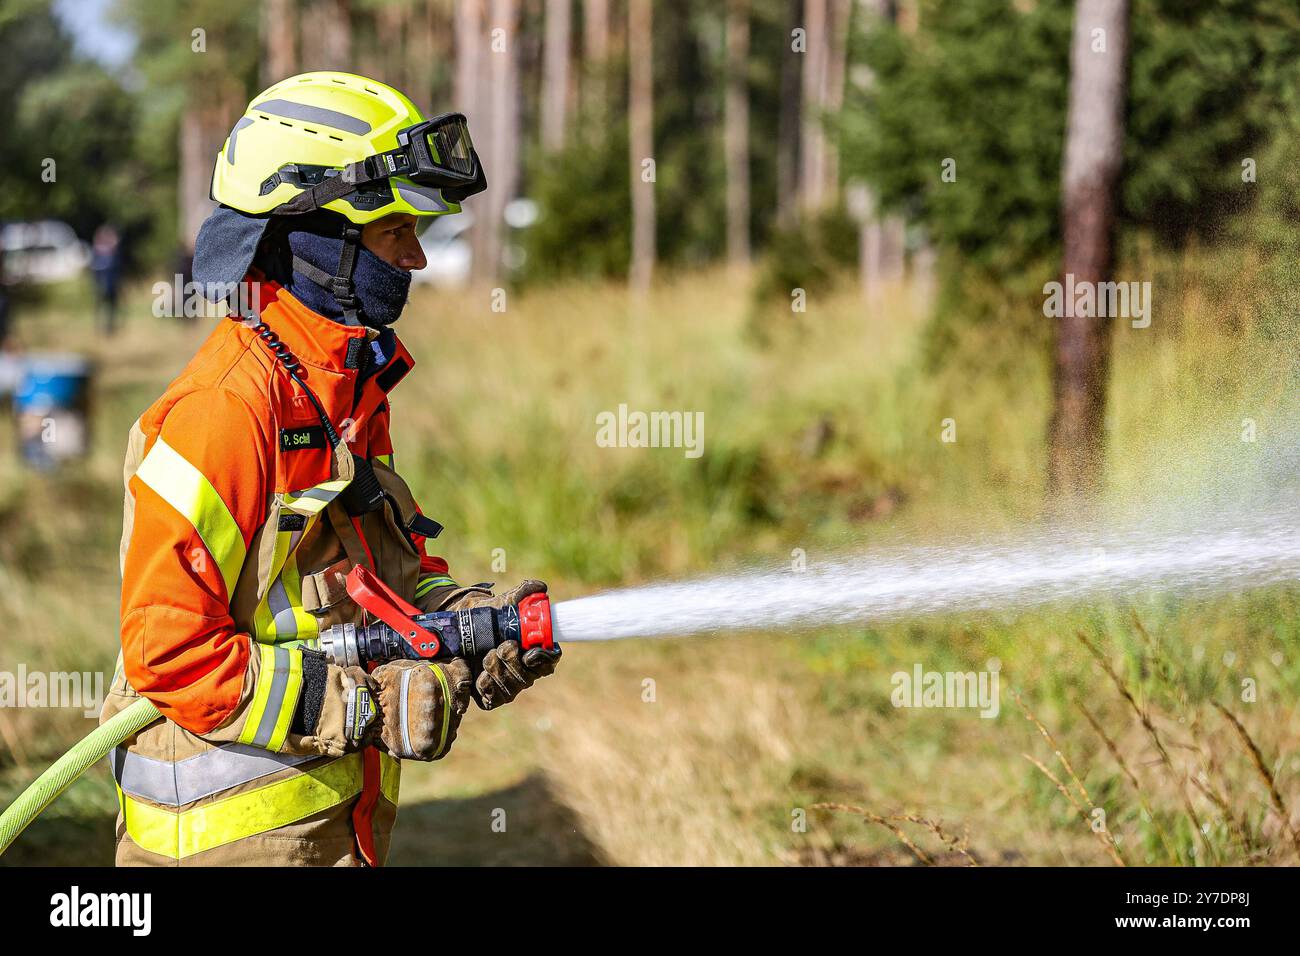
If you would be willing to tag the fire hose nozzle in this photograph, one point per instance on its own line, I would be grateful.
(403, 633)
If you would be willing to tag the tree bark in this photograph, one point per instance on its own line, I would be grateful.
(736, 132)
(555, 74)
(641, 142)
(469, 53)
(327, 36)
(204, 126)
(880, 238)
(595, 53)
(1094, 147)
(837, 52)
(813, 137)
(498, 100)
(788, 123)
(279, 40)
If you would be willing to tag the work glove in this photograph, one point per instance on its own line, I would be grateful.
(421, 704)
(338, 712)
(504, 672)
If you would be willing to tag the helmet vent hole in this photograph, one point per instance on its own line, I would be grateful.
(337, 138)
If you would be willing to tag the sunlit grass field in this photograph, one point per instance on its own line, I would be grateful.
(823, 434)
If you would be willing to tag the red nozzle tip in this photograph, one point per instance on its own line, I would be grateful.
(535, 622)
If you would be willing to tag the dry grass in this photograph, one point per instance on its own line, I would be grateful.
(826, 438)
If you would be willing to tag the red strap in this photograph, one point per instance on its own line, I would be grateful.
(363, 813)
(356, 523)
(371, 772)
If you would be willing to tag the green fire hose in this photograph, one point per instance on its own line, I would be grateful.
(89, 751)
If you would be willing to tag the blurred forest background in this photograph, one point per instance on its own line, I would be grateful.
(854, 206)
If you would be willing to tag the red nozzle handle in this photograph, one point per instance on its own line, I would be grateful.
(535, 622)
(381, 601)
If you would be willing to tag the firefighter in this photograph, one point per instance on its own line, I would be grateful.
(264, 474)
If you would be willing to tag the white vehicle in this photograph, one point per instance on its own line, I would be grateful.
(447, 246)
(44, 251)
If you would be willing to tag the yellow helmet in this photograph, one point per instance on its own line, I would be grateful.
(347, 144)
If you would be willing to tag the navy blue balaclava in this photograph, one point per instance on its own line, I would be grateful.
(381, 288)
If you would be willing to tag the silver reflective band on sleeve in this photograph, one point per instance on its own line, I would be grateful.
(175, 784)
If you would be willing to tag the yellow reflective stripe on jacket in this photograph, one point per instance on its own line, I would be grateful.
(178, 834)
(428, 584)
(281, 617)
(275, 699)
(186, 489)
(387, 460)
(312, 501)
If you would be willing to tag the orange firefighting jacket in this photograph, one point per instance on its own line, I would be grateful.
(234, 552)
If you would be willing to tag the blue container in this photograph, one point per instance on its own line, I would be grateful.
(52, 405)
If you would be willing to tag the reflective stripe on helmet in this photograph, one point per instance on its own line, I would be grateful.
(314, 114)
(422, 198)
(186, 489)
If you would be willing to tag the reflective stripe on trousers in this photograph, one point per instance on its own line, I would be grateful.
(175, 833)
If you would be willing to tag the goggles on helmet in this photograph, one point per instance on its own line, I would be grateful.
(436, 152)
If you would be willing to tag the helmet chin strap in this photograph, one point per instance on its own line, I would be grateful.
(340, 284)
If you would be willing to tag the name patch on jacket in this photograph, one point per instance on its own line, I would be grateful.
(295, 439)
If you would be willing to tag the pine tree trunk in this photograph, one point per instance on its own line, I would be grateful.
(812, 154)
(498, 102)
(1094, 148)
(327, 36)
(736, 133)
(880, 238)
(837, 50)
(788, 122)
(595, 54)
(555, 74)
(279, 40)
(641, 142)
(205, 124)
(470, 44)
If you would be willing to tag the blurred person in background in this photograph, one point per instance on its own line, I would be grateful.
(106, 267)
(4, 304)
